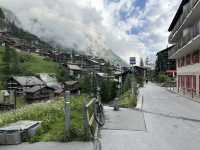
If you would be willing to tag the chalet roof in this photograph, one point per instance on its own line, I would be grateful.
(28, 80)
(34, 89)
(118, 73)
(178, 14)
(50, 81)
(142, 67)
(167, 49)
(104, 75)
(70, 83)
(74, 67)
(93, 61)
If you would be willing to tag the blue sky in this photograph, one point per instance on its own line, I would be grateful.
(127, 27)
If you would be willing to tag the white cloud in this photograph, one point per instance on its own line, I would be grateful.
(97, 24)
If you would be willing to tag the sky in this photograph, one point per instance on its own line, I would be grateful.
(130, 28)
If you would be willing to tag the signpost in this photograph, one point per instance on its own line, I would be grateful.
(132, 62)
(67, 115)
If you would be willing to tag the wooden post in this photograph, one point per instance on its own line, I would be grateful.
(85, 120)
(67, 115)
(15, 99)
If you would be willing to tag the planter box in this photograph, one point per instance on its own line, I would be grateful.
(10, 138)
(18, 132)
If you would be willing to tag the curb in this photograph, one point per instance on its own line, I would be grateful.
(140, 103)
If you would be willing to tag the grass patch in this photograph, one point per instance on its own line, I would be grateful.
(20, 102)
(33, 63)
(127, 100)
(38, 64)
(52, 116)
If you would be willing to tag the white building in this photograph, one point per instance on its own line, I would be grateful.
(185, 34)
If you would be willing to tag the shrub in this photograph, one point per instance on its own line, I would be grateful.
(85, 84)
(127, 100)
(162, 78)
(108, 90)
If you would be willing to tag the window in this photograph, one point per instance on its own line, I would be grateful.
(194, 83)
(182, 82)
(199, 85)
(186, 32)
(188, 59)
(179, 82)
(183, 61)
(188, 83)
(179, 63)
(195, 57)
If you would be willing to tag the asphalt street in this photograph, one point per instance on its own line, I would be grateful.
(172, 123)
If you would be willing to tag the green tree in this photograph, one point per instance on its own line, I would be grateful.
(108, 90)
(141, 62)
(86, 84)
(2, 14)
(7, 60)
(11, 63)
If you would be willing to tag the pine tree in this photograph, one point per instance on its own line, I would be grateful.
(141, 62)
(2, 16)
(6, 60)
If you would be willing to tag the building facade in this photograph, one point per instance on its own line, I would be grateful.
(164, 64)
(185, 35)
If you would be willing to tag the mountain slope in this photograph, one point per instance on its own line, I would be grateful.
(9, 22)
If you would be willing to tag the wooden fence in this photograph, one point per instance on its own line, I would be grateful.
(90, 123)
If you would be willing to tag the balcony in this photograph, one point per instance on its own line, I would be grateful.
(187, 12)
(193, 34)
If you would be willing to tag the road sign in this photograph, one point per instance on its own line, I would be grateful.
(132, 60)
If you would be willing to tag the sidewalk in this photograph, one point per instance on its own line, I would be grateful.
(51, 146)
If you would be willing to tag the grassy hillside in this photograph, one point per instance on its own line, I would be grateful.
(34, 63)
(1, 65)
(37, 64)
(29, 64)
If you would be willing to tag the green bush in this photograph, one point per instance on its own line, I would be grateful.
(127, 100)
(127, 85)
(86, 84)
(108, 90)
(162, 78)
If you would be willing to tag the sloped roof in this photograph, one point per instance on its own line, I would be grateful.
(167, 49)
(51, 81)
(28, 80)
(71, 82)
(34, 89)
(94, 61)
(178, 14)
(74, 67)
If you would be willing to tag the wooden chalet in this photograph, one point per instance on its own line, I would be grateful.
(20, 83)
(73, 87)
(74, 70)
(39, 93)
(51, 82)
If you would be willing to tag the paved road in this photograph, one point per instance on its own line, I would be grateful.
(172, 123)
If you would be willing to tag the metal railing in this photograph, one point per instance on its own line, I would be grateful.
(194, 31)
(186, 10)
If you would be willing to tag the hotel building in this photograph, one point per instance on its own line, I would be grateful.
(185, 35)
